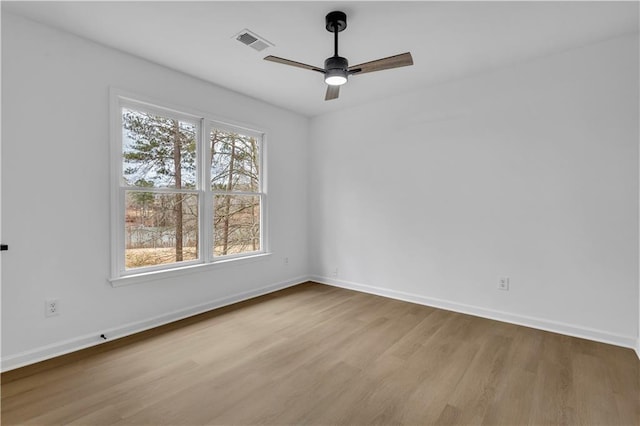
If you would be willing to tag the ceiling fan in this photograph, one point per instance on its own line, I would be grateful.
(336, 68)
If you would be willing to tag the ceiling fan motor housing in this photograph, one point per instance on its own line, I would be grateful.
(336, 63)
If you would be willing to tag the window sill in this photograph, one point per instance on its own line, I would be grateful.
(185, 270)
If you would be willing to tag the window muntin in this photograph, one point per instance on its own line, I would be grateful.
(166, 216)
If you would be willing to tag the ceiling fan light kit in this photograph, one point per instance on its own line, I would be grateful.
(336, 68)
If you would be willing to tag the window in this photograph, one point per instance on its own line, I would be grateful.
(188, 190)
(235, 183)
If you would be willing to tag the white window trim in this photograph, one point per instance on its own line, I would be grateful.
(206, 261)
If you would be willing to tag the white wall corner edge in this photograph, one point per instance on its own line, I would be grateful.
(537, 323)
(75, 344)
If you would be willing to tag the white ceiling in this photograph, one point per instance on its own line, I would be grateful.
(448, 40)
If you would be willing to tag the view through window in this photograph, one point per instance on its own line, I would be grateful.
(183, 201)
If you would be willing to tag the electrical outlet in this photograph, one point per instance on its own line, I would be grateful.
(335, 273)
(286, 260)
(503, 284)
(51, 307)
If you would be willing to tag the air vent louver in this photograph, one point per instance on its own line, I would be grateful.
(246, 38)
(252, 40)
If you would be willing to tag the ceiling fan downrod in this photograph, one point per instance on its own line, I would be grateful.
(336, 67)
(336, 22)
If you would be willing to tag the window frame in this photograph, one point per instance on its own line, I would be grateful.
(204, 122)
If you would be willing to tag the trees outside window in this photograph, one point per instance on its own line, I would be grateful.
(184, 198)
(235, 183)
(159, 172)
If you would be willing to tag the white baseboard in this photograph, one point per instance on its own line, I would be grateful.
(542, 324)
(61, 348)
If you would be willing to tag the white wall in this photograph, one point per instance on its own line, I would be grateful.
(529, 172)
(55, 194)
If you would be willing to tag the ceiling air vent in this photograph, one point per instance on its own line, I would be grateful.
(253, 40)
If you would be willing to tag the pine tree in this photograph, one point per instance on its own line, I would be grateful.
(161, 153)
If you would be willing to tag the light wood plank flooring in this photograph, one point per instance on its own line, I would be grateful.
(319, 355)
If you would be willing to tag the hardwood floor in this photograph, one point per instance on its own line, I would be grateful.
(314, 354)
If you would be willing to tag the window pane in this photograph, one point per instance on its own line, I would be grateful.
(157, 151)
(160, 228)
(234, 161)
(236, 224)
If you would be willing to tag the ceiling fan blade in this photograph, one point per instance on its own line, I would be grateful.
(396, 61)
(332, 93)
(293, 63)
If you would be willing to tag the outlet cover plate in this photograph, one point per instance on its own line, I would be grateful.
(51, 307)
(503, 284)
